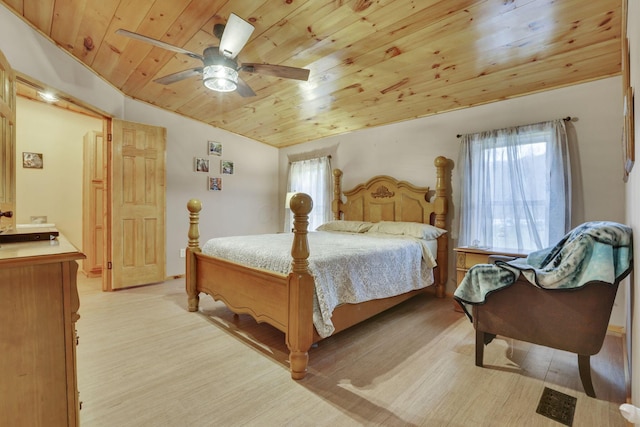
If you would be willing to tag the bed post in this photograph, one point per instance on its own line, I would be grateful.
(194, 206)
(337, 192)
(301, 290)
(440, 210)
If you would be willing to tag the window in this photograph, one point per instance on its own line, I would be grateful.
(311, 176)
(515, 187)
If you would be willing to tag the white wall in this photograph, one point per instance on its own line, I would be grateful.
(633, 202)
(55, 190)
(406, 150)
(248, 202)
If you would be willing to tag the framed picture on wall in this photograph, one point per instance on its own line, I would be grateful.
(201, 164)
(32, 160)
(215, 184)
(215, 148)
(226, 167)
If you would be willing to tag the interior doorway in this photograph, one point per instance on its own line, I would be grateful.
(131, 161)
(55, 127)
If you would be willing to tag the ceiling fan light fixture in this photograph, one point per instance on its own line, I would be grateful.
(220, 78)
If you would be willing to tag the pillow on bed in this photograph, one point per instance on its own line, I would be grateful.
(346, 226)
(413, 229)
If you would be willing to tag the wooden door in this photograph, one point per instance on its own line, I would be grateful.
(135, 200)
(7, 143)
(92, 198)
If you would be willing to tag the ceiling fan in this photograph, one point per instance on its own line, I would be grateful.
(220, 67)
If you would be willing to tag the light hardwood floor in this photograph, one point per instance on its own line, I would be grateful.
(143, 360)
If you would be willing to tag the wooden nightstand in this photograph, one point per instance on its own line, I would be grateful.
(467, 257)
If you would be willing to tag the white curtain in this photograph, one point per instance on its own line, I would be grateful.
(515, 187)
(311, 176)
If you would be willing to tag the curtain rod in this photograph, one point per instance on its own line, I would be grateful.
(566, 119)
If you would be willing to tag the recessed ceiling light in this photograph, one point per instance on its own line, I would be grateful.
(47, 96)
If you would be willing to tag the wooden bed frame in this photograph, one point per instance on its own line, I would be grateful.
(286, 301)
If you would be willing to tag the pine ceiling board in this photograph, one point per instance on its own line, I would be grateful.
(170, 96)
(128, 16)
(67, 17)
(212, 103)
(209, 103)
(93, 27)
(16, 5)
(348, 46)
(504, 57)
(155, 24)
(278, 107)
(40, 14)
(379, 47)
(517, 27)
(261, 113)
(266, 126)
(301, 29)
(444, 64)
(469, 95)
(194, 16)
(295, 135)
(526, 78)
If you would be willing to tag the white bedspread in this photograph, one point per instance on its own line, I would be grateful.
(347, 268)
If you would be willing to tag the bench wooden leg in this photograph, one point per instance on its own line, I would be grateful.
(584, 367)
(479, 347)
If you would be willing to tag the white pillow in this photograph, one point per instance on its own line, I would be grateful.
(346, 226)
(413, 229)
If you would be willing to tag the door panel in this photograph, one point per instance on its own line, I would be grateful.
(7, 143)
(137, 199)
(92, 203)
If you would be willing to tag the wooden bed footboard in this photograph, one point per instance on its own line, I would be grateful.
(283, 301)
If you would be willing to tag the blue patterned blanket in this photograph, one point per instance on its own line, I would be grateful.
(594, 251)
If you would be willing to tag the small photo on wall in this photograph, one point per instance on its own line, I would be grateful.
(226, 166)
(215, 184)
(215, 148)
(201, 164)
(32, 160)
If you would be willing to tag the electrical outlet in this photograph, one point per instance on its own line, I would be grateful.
(183, 253)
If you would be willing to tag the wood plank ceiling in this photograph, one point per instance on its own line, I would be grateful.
(372, 62)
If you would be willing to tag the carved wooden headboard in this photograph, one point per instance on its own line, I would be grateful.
(384, 198)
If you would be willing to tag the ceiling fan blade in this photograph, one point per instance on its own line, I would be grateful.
(180, 75)
(158, 43)
(243, 89)
(236, 34)
(277, 71)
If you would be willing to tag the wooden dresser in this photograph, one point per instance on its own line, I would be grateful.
(38, 311)
(467, 257)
